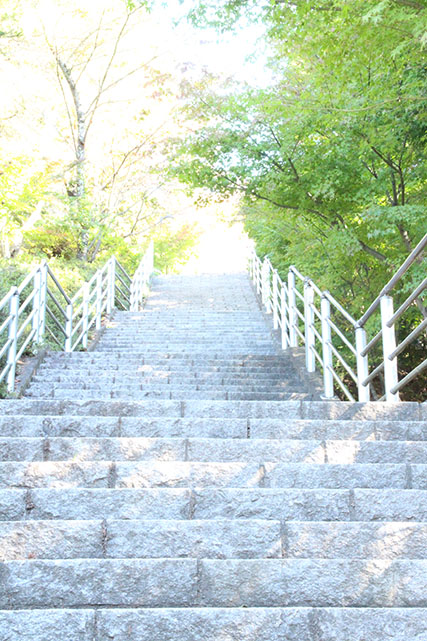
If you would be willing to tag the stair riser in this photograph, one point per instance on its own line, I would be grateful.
(213, 503)
(212, 583)
(214, 449)
(194, 624)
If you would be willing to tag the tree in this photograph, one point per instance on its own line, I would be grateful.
(330, 160)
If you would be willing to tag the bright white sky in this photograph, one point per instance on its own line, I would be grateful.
(220, 53)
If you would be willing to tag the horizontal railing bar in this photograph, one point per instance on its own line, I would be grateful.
(407, 303)
(125, 297)
(25, 324)
(293, 269)
(123, 270)
(78, 340)
(56, 301)
(408, 339)
(300, 296)
(341, 384)
(299, 314)
(90, 324)
(317, 355)
(317, 334)
(6, 299)
(26, 302)
(77, 326)
(57, 341)
(343, 362)
(5, 371)
(409, 377)
(300, 334)
(5, 347)
(58, 284)
(27, 280)
(395, 279)
(124, 308)
(371, 343)
(5, 323)
(341, 335)
(315, 287)
(25, 344)
(316, 311)
(77, 310)
(373, 374)
(123, 282)
(340, 308)
(56, 321)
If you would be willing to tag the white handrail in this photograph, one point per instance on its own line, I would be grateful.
(296, 314)
(69, 319)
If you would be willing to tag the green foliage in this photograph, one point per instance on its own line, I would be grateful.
(173, 247)
(330, 160)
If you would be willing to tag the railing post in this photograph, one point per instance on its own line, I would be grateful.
(69, 329)
(293, 318)
(36, 305)
(389, 345)
(328, 379)
(43, 298)
(258, 277)
(362, 365)
(285, 319)
(275, 300)
(13, 338)
(265, 286)
(98, 301)
(111, 288)
(310, 359)
(85, 312)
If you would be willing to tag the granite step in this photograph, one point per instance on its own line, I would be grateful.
(77, 583)
(217, 449)
(216, 624)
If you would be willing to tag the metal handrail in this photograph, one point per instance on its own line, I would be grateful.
(395, 279)
(44, 312)
(285, 301)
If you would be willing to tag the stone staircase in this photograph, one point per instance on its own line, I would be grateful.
(181, 482)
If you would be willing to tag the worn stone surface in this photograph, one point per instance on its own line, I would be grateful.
(149, 503)
(47, 625)
(209, 624)
(388, 505)
(51, 540)
(90, 582)
(335, 476)
(283, 504)
(12, 505)
(385, 540)
(201, 539)
(181, 481)
(313, 582)
(182, 474)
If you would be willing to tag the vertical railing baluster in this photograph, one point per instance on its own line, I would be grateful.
(293, 317)
(98, 321)
(43, 297)
(85, 312)
(13, 338)
(275, 300)
(362, 365)
(391, 377)
(328, 379)
(69, 328)
(310, 338)
(37, 281)
(111, 285)
(285, 319)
